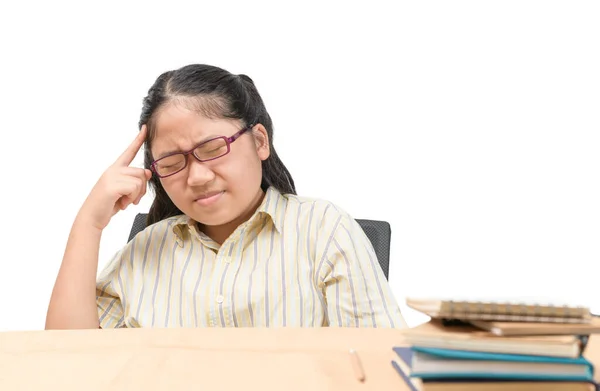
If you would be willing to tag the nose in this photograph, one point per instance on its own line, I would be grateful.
(199, 174)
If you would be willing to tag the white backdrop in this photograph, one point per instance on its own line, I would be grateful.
(471, 126)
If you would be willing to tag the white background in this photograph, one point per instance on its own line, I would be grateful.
(471, 126)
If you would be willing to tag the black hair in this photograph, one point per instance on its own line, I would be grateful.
(216, 93)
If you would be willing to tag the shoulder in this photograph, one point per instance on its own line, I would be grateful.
(166, 227)
(325, 213)
(160, 232)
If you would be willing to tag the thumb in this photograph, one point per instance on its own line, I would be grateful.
(148, 174)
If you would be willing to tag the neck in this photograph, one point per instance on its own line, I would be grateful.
(220, 233)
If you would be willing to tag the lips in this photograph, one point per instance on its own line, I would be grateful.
(209, 198)
(208, 195)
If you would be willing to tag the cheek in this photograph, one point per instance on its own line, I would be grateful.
(173, 186)
(243, 166)
(252, 165)
(241, 175)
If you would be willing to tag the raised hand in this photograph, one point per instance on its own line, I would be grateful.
(118, 187)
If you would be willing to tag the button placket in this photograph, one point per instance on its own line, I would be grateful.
(224, 291)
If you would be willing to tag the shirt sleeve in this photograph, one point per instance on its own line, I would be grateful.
(356, 291)
(109, 293)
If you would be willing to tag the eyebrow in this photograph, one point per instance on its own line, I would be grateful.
(172, 151)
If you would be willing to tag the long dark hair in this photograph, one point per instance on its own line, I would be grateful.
(216, 93)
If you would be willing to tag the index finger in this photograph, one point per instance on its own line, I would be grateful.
(127, 157)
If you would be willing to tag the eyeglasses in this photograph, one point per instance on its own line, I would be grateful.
(206, 151)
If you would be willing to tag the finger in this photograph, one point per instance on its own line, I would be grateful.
(134, 172)
(127, 157)
(141, 179)
(124, 202)
(127, 188)
(141, 194)
(147, 176)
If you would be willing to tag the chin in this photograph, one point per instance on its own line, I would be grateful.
(213, 219)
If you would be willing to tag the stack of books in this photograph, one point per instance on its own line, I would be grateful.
(497, 346)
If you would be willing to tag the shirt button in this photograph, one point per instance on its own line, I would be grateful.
(220, 299)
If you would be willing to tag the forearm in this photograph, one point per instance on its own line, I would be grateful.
(73, 301)
(364, 308)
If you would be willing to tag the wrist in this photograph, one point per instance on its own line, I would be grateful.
(86, 221)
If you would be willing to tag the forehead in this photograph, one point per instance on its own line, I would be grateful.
(177, 128)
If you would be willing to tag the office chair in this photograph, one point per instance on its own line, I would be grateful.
(378, 232)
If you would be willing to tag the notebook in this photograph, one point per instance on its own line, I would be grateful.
(434, 334)
(402, 367)
(500, 311)
(432, 363)
(536, 328)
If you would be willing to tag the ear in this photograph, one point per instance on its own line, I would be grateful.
(261, 141)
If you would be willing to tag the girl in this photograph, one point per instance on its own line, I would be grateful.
(228, 242)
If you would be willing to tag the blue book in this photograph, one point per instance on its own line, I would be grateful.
(433, 363)
(403, 362)
(402, 366)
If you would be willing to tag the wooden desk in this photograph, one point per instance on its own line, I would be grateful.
(201, 359)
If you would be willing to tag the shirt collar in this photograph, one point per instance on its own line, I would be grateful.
(273, 205)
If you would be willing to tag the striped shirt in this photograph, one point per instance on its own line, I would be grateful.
(297, 262)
